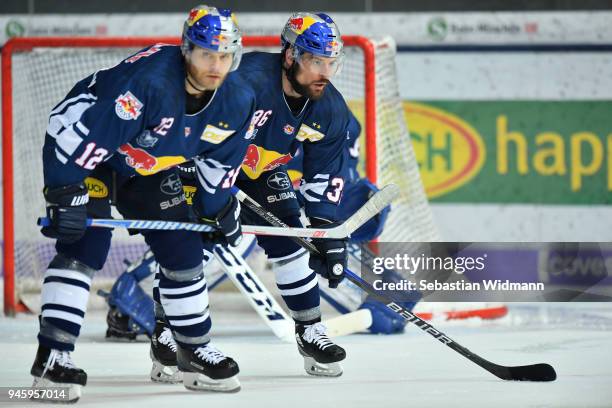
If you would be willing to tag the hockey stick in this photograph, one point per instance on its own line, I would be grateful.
(337, 232)
(241, 274)
(375, 204)
(532, 372)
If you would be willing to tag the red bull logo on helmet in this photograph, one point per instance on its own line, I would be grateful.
(296, 23)
(301, 24)
(218, 39)
(332, 46)
(196, 14)
(128, 107)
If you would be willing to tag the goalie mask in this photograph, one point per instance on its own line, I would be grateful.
(213, 29)
(315, 42)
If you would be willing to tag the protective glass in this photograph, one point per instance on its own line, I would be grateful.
(326, 66)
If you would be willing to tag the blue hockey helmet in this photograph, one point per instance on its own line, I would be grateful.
(213, 29)
(316, 34)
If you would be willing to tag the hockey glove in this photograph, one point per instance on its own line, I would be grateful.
(331, 263)
(66, 208)
(228, 222)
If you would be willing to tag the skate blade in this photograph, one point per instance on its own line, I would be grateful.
(200, 382)
(74, 391)
(165, 374)
(312, 367)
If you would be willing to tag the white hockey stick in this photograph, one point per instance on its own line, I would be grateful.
(373, 206)
(241, 274)
(353, 322)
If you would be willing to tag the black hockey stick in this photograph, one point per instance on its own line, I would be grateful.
(532, 372)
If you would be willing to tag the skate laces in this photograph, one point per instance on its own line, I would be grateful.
(60, 357)
(210, 354)
(167, 339)
(316, 334)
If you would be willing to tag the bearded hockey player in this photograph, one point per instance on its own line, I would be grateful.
(126, 127)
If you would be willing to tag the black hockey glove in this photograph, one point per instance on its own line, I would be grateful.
(228, 222)
(66, 208)
(331, 264)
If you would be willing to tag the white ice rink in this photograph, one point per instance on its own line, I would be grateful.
(409, 370)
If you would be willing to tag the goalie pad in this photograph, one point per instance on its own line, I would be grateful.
(128, 298)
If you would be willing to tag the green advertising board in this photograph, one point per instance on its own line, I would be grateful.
(541, 152)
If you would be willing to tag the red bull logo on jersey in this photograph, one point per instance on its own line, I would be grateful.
(137, 158)
(279, 161)
(145, 163)
(288, 129)
(251, 159)
(128, 107)
(258, 160)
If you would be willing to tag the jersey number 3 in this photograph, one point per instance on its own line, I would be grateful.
(334, 195)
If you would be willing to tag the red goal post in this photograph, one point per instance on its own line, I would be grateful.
(366, 75)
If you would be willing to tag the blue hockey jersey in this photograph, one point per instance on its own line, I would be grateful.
(295, 166)
(132, 116)
(321, 129)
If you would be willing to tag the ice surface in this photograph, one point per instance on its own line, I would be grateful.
(409, 370)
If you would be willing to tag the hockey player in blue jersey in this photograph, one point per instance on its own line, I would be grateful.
(126, 127)
(298, 106)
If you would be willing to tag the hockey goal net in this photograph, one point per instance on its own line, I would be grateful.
(38, 72)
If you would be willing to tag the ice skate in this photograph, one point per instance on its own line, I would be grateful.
(208, 369)
(163, 356)
(321, 355)
(54, 369)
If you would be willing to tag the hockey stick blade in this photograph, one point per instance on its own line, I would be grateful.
(534, 372)
(373, 206)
